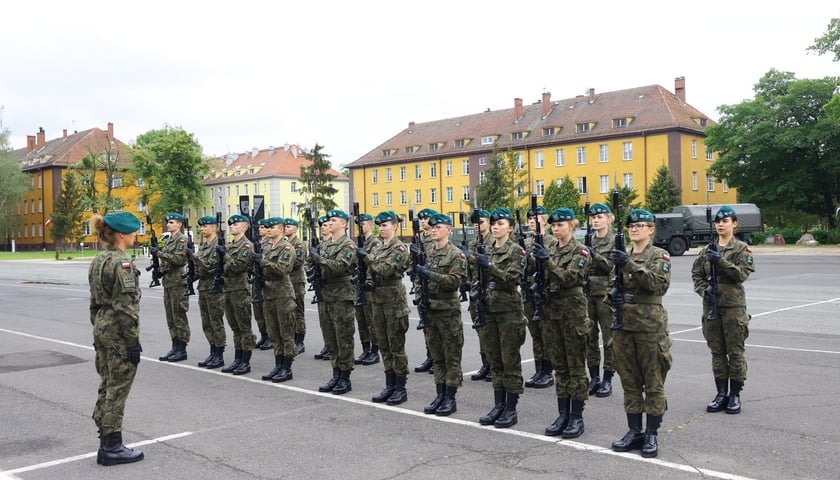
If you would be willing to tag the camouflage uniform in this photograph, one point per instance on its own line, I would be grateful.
(536, 329)
(298, 278)
(115, 317)
(338, 261)
(238, 261)
(428, 246)
(599, 310)
(259, 315)
(445, 331)
(364, 314)
(211, 305)
(173, 257)
(386, 264)
(279, 294)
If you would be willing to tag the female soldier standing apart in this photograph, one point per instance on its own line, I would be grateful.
(726, 334)
(567, 325)
(642, 346)
(504, 334)
(115, 316)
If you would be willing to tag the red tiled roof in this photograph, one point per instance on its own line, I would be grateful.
(282, 162)
(65, 151)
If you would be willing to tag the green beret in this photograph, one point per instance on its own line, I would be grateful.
(292, 221)
(262, 222)
(561, 215)
(174, 216)
(426, 213)
(598, 208)
(483, 214)
(387, 216)
(501, 213)
(364, 218)
(725, 212)
(540, 211)
(206, 220)
(123, 222)
(237, 218)
(272, 221)
(638, 215)
(323, 219)
(440, 219)
(338, 213)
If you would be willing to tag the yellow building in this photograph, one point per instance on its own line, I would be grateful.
(595, 138)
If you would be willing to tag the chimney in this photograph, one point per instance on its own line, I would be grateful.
(111, 130)
(679, 88)
(591, 95)
(517, 109)
(30, 143)
(42, 138)
(546, 103)
(64, 133)
(270, 150)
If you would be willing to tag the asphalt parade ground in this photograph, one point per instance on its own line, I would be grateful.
(194, 423)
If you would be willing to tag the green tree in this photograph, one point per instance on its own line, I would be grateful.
(829, 42)
(171, 165)
(561, 194)
(67, 213)
(316, 176)
(13, 184)
(780, 149)
(627, 198)
(663, 194)
(108, 162)
(504, 182)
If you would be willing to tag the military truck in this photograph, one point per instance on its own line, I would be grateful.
(686, 226)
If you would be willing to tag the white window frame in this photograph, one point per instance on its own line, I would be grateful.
(581, 184)
(603, 184)
(375, 199)
(465, 167)
(466, 193)
(433, 170)
(694, 149)
(402, 174)
(418, 196)
(448, 168)
(374, 176)
(488, 140)
(540, 188)
(520, 161)
(710, 183)
(559, 157)
(388, 199)
(403, 197)
(388, 176)
(449, 194)
(627, 151)
(628, 180)
(433, 195)
(603, 153)
(539, 160)
(581, 155)
(694, 181)
(418, 172)
(482, 160)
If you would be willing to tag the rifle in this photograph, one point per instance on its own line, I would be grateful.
(155, 266)
(257, 277)
(314, 273)
(617, 291)
(190, 275)
(423, 303)
(520, 237)
(361, 267)
(464, 289)
(590, 232)
(538, 288)
(480, 298)
(712, 289)
(219, 271)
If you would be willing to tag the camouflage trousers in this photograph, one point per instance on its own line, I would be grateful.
(446, 342)
(390, 330)
(280, 324)
(536, 331)
(338, 325)
(565, 340)
(300, 309)
(176, 306)
(642, 360)
(503, 337)
(116, 375)
(725, 338)
(212, 309)
(602, 317)
(259, 317)
(473, 316)
(238, 314)
(364, 319)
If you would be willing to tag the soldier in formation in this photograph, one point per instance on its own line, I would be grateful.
(427, 365)
(482, 229)
(238, 261)
(324, 354)
(264, 342)
(173, 257)
(278, 299)
(364, 316)
(211, 304)
(603, 241)
(543, 370)
(298, 281)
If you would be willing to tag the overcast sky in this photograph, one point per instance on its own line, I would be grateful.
(350, 75)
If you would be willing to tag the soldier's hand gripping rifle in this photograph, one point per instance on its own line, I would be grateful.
(257, 277)
(219, 271)
(155, 266)
(418, 258)
(590, 233)
(360, 276)
(538, 292)
(314, 273)
(616, 294)
(710, 294)
(480, 299)
(523, 282)
(191, 275)
(464, 289)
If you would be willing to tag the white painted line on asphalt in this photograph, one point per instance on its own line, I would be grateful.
(795, 307)
(75, 458)
(769, 347)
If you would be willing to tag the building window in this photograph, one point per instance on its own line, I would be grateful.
(619, 122)
(140, 183)
(85, 229)
(41, 181)
(694, 149)
(228, 191)
(142, 230)
(460, 143)
(627, 151)
(604, 183)
(417, 173)
(449, 195)
(433, 195)
(710, 156)
(246, 188)
(724, 186)
(448, 169)
(517, 135)
(141, 207)
(482, 176)
(520, 161)
(433, 147)
(388, 199)
(488, 140)
(374, 176)
(603, 153)
(409, 149)
(116, 181)
(482, 160)
(539, 161)
(694, 181)
(581, 181)
(433, 170)
(418, 196)
(386, 153)
(540, 187)
(40, 205)
(388, 175)
(582, 127)
(403, 197)
(628, 180)
(465, 167)
(559, 157)
(581, 155)
(549, 131)
(294, 209)
(710, 183)
(520, 191)
(466, 195)
(402, 174)
(375, 200)
(237, 190)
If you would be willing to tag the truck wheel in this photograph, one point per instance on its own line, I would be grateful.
(677, 246)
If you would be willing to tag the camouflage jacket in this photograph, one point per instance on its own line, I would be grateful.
(736, 264)
(386, 264)
(602, 266)
(647, 277)
(298, 276)
(277, 263)
(338, 262)
(567, 269)
(173, 257)
(206, 260)
(448, 268)
(503, 276)
(115, 296)
(239, 259)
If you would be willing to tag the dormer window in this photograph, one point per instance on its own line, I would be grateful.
(434, 147)
(461, 142)
(549, 131)
(585, 127)
(518, 135)
(488, 139)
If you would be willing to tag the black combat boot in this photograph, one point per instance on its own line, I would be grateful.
(447, 406)
(575, 427)
(365, 352)
(498, 408)
(101, 452)
(385, 394)
(218, 359)
(285, 373)
(165, 356)
(237, 359)
(115, 453)
(482, 372)
(320, 355)
(722, 398)
(432, 407)
(299, 343)
(538, 372)
(734, 404)
(203, 363)
(373, 355)
(562, 420)
(245, 364)
(180, 352)
(426, 365)
(327, 387)
(400, 394)
(594, 381)
(343, 386)
(508, 417)
(262, 340)
(547, 377)
(650, 448)
(267, 345)
(633, 439)
(605, 388)
(278, 364)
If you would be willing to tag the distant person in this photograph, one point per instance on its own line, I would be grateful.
(173, 257)
(211, 304)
